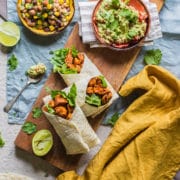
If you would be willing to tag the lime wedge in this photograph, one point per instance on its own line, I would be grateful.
(9, 34)
(42, 142)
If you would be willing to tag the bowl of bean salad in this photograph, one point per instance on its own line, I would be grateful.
(45, 17)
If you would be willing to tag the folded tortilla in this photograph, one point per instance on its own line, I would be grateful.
(88, 70)
(90, 110)
(76, 134)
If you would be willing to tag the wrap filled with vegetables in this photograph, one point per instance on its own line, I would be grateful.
(69, 121)
(72, 65)
(94, 95)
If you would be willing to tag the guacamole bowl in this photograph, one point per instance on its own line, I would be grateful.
(120, 25)
(45, 17)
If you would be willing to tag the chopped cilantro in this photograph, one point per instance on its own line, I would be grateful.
(93, 100)
(29, 128)
(12, 62)
(153, 57)
(111, 121)
(1, 141)
(115, 3)
(37, 112)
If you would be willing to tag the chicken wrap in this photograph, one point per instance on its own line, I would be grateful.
(69, 121)
(94, 95)
(73, 65)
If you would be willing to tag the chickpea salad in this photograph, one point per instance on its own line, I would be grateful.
(46, 15)
(119, 24)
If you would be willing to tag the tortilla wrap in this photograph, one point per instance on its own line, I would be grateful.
(76, 134)
(90, 110)
(88, 70)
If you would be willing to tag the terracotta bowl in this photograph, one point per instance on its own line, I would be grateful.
(138, 5)
(41, 32)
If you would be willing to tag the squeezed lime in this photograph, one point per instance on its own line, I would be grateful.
(9, 34)
(42, 142)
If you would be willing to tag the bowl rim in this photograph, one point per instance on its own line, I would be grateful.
(41, 32)
(148, 20)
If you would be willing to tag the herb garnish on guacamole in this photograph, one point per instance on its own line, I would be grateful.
(119, 23)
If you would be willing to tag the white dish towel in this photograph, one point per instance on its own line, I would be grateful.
(87, 32)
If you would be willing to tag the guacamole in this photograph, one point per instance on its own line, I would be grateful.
(119, 23)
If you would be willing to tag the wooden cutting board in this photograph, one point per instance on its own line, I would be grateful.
(113, 65)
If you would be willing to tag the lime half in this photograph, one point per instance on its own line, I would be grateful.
(9, 34)
(42, 142)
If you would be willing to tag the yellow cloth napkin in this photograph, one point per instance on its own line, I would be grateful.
(145, 142)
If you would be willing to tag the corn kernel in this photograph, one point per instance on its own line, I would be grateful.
(35, 17)
(67, 2)
(61, 1)
(39, 22)
(57, 13)
(27, 14)
(45, 15)
(67, 18)
(49, 6)
(51, 28)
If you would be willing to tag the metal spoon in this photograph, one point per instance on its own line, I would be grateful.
(29, 81)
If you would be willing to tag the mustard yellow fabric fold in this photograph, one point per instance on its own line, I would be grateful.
(145, 142)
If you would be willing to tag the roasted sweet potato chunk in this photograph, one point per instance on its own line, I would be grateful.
(59, 100)
(61, 111)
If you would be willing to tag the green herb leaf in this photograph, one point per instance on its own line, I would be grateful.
(59, 57)
(74, 52)
(93, 100)
(37, 112)
(65, 70)
(104, 83)
(50, 110)
(29, 128)
(51, 1)
(129, 15)
(1, 141)
(115, 3)
(71, 97)
(58, 60)
(111, 121)
(153, 57)
(12, 62)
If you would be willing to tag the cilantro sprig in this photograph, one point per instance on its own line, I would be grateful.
(1, 141)
(12, 62)
(112, 120)
(153, 56)
(37, 112)
(29, 128)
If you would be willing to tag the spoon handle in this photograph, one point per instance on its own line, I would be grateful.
(9, 105)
